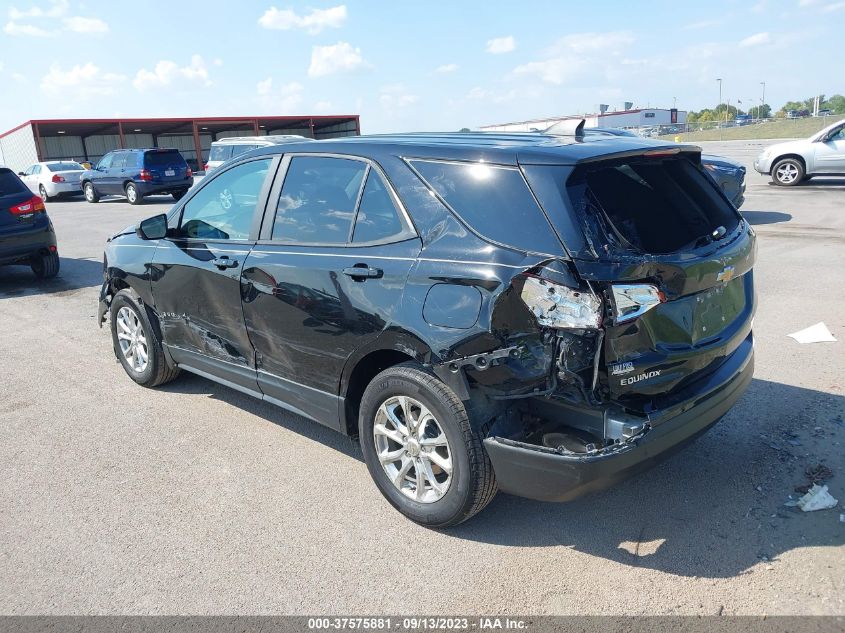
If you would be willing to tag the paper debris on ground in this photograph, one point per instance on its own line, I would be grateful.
(818, 498)
(817, 333)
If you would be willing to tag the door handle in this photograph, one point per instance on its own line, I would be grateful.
(362, 271)
(224, 262)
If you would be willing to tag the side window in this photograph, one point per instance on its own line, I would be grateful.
(377, 217)
(131, 160)
(317, 203)
(105, 162)
(224, 208)
(36, 169)
(220, 152)
(119, 161)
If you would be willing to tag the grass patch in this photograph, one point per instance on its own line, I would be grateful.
(783, 128)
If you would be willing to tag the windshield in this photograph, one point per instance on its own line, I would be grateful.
(64, 166)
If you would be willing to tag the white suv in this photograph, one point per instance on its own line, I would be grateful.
(227, 148)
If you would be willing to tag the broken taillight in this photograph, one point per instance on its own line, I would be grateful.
(633, 300)
(558, 306)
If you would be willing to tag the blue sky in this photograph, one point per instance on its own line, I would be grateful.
(406, 64)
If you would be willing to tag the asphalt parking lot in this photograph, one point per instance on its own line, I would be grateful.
(196, 499)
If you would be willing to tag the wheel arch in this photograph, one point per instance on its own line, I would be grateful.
(389, 349)
(797, 157)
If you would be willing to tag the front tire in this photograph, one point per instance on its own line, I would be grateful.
(45, 266)
(90, 193)
(136, 343)
(788, 172)
(421, 448)
(132, 194)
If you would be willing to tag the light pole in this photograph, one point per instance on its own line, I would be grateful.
(763, 98)
(720, 103)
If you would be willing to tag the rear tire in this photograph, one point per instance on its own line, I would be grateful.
(90, 192)
(444, 475)
(787, 172)
(45, 266)
(132, 194)
(178, 195)
(136, 344)
(43, 193)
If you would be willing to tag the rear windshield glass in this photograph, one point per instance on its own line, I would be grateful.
(650, 205)
(163, 159)
(220, 152)
(64, 166)
(10, 183)
(494, 201)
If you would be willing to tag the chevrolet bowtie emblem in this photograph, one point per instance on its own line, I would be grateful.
(726, 275)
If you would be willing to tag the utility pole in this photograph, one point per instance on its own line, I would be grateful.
(720, 103)
(763, 98)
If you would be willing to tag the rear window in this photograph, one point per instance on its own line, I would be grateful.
(494, 200)
(10, 183)
(650, 205)
(64, 166)
(220, 152)
(163, 159)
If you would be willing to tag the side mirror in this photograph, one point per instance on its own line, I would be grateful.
(154, 228)
(20, 173)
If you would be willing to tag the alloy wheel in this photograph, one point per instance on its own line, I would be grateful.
(132, 339)
(787, 173)
(412, 449)
(89, 192)
(131, 193)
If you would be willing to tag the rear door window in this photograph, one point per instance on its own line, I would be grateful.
(377, 218)
(318, 200)
(494, 201)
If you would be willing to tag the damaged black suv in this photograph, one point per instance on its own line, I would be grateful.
(532, 313)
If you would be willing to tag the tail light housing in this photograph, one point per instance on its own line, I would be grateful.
(34, 205)
(189, 173)
(633, 300)
(57, 178)
(205, 167)
(145, 175)
(558, 306)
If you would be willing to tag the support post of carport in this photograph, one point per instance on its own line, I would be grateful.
(311, 125)
(37, 142)
(120, 134)
(197, 145)
(84, 148)
(255, 129)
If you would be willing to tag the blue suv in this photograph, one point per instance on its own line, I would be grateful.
(136, 173)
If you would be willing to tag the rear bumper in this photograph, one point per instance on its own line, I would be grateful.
(152, 188)
(58, 188)
(537, 472)
(23, 244)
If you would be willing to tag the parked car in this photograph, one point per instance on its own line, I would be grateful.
(52, 179)
(26, 232)
(792, 162)
(728, 175)
(532, 313)
(136, 173)
(228, 148)
(824, 112)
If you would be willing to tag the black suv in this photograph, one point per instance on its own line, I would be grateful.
(136, 173)
(26, 232)
(542, 315)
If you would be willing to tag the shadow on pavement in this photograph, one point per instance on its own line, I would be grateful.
(758, 218)
(700, 513)
(74, 275)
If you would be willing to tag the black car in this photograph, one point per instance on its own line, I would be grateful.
(728, 174)
(537, 314)
(26, 232)
(136, 173)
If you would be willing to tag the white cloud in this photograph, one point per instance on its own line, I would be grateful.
(835, 6)
(499, 45)
(81, 81)
(28, 30)
(284, 99)
(327, 60)
(312, 23)
(756, 39)
(446, 68)
(395, 96)
(323, 106)
(703, 24)
(264, 87)
(79, 24)
(217, 61)
(575, 54)
(166, 71)
(57, 9)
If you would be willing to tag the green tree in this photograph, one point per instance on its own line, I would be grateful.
(835, 103)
